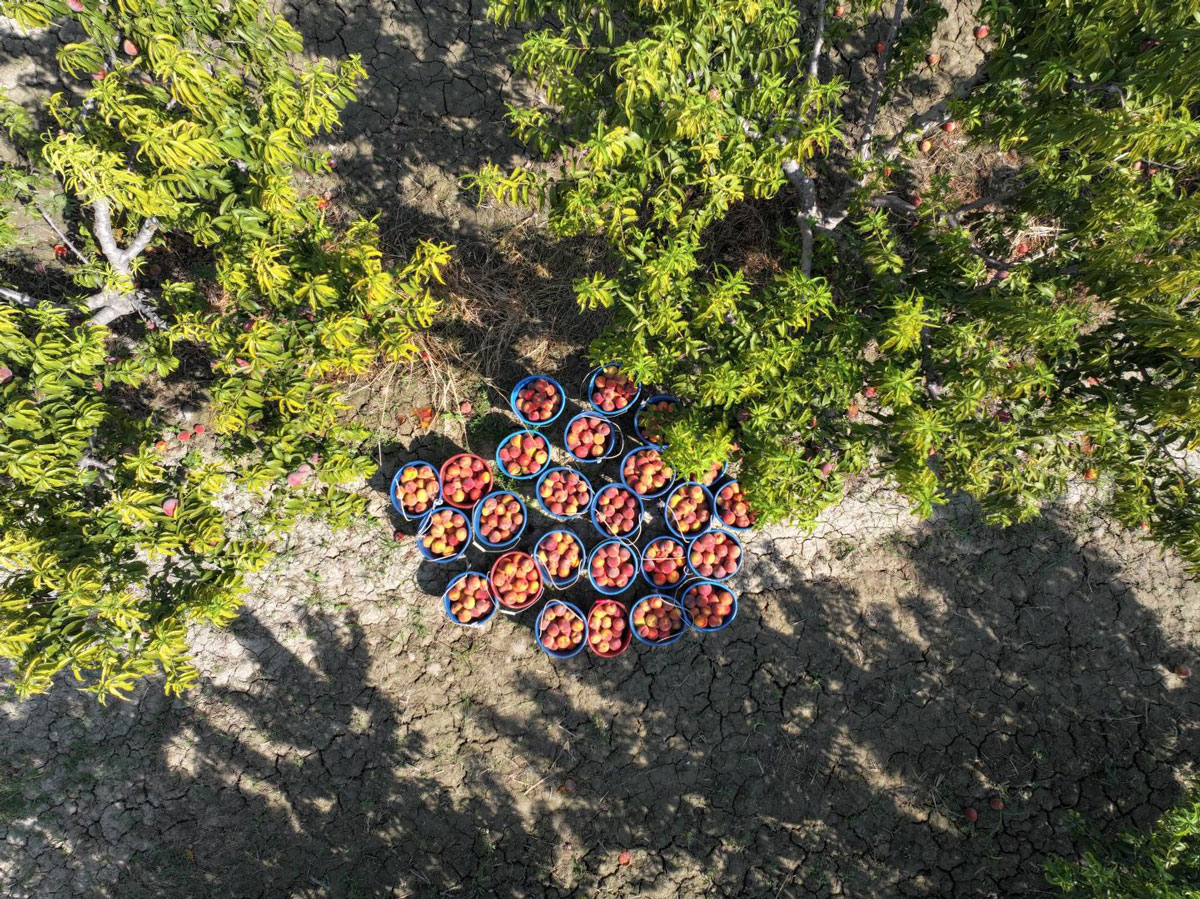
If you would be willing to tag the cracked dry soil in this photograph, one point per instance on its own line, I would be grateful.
(882, 676)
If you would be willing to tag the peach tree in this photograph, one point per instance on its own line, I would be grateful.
(995, 344)
(188, 264)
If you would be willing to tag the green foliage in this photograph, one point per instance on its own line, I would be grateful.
(1161, 864)
(176, 160)
(995, 348)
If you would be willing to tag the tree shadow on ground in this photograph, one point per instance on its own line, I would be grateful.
(828, 743)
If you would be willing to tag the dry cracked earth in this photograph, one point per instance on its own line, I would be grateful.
(883, 676)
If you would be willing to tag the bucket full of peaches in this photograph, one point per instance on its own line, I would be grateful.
(466, 479)
(499, 520)
(537, 400)
(608, 629)
(689, 510)
(564, 493)
(708, 605)
(664, 562)
(416, 488)
(617, 512)
(559, 554)
(561, 629)
(657, 620)
(516, 582)
(715, 555)
(590, 438)
(443, 534)
(651, 416)
(645, 473)
(523, 455)
(611, 390)
(468, 600)
(612, 566)
(732, 507)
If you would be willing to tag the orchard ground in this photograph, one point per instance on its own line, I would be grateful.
(883, 676)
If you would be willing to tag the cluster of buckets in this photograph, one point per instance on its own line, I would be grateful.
(653, 526)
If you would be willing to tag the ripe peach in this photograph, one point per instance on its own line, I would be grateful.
(617, 510)
(646, 473)
(733, 508)
(981, 31)
(656, 619)
(612, 567)
(417, 489)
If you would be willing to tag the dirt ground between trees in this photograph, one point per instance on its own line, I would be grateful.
(883, 674)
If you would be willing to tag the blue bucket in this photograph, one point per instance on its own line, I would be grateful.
(637, 417)
(512, 400)
(480, 622)
(563, 583)
(521, 477)
(554, 653)
(633, 558)
(683, 562)
(713, 578)
(657, 493)
(720, 521)
(665, 642)
(424, 526)
(681, 596)
(591, 386)
(399, 506)
(610, 445)
(637, 522)
(538, 488)
(476, 519)
(670, 518)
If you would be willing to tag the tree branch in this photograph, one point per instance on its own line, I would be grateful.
(864, 148)
(808, 212)
(142, 240)
(102, 226)
(21, 299)
(66, 241)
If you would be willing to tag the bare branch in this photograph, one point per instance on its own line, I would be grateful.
(864, 148)
(102, 226)
(21, 299)
(66, 241)
(142, 240)
(808, 212)
(818, 43)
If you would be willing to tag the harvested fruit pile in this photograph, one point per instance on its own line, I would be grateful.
(686, 570)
